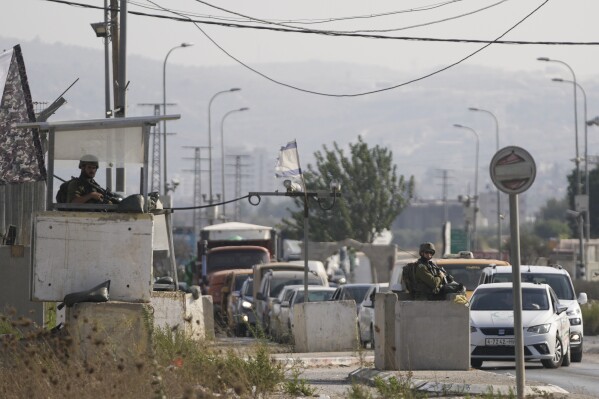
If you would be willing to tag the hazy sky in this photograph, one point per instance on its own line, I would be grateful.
(553, 21)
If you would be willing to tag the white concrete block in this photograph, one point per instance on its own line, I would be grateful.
(330, 326)
(384, 331)
(177, 310)
(432, 335)
(75, 251)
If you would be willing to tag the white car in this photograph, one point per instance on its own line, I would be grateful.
(366, 314)
(279, 317)
(544, 321)
(559, 279)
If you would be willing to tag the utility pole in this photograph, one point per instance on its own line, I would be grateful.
(118, 30)
(445, 186)
(156, 149)
(238, 182)
(197, 186)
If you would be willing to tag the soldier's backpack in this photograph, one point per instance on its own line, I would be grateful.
(61, 195)
(408, 278)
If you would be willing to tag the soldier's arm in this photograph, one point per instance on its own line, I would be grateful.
(423, 275)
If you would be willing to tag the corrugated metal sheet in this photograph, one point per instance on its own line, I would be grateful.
(18, 203)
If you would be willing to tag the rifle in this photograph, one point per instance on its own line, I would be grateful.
(108, 196)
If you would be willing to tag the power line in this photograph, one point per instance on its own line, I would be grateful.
(342, 34)
(328, 33)
(371, 91)
(354, 31)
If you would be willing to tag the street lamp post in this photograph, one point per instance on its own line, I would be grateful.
(587, 212)
(184, 44)
(586, 155)
(210, 142)
(222, 153)
(577, 159)
(498, 194)
(475, 181)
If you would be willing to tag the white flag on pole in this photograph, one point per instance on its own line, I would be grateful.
(288, 161)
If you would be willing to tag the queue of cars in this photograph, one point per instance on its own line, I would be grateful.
(264, 297)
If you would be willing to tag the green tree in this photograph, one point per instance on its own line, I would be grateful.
(372, 194)
(593, 195)
(551, 220)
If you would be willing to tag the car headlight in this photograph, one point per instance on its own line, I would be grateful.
(573, 312)
(540, 329)
(246, 305)
(575, 321)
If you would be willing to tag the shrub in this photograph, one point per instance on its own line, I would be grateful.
(41, 363)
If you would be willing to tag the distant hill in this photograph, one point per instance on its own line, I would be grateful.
(415, 121)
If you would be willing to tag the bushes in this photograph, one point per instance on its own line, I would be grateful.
(590, 287)
(40, 364)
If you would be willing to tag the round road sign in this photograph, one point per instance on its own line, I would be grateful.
(513, 170)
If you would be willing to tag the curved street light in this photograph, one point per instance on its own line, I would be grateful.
(475, 181)
(498, 194)
(222, 153)
(184, 44)
(574, 84)
(210, 142)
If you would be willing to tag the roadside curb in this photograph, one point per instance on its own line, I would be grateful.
(367, 376)
(322, 361)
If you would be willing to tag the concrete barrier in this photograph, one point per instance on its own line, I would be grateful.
(330, 326)
(432, 335)
(384, 331)
(420, 335)
(208, 318)
(117, 329)
(181, 311)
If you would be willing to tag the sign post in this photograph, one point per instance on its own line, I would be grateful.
(513, 171)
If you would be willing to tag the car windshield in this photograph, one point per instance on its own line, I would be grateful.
(249, 288)
(559, 282)
(239, 280)
(278, 282)
(227, 260)
(314, 296)
(356, 293)
(502, 299)
(465, 274)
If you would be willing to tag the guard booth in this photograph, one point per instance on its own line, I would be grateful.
(76, 247)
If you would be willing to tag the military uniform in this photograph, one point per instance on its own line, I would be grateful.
(80, 187)
(428, 280)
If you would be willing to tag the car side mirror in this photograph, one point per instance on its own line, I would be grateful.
(285, 304)
(368, 304)
(236, 294)
(561, 308)
(582, 298)
(260, 296)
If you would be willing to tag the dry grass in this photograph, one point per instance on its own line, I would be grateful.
(40, 364)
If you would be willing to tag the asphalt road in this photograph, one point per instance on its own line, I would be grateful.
(579, 378)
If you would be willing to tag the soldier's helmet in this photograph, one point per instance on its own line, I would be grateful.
(427, 247)
(88, 159)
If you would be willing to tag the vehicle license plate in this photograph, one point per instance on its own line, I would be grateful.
(499, 341)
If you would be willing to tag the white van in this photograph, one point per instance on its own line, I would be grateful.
(315, 266)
